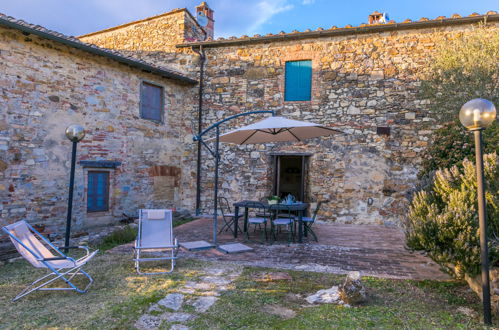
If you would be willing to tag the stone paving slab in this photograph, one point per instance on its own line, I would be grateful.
(373, 250)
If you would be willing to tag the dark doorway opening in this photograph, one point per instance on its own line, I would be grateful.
(290, 176)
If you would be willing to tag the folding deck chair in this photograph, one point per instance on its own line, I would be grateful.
(155, 234)
(35, 251)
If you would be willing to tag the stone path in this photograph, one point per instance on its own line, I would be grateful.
(201, 294)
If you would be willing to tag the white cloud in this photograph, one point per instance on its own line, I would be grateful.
(266, 10)
(77, 17)
(307, 2)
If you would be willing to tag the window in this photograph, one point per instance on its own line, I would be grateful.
(151, 101)
(98, 191)
(298, 81)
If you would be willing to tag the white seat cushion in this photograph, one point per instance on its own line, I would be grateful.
(257, 220)
(283, 221)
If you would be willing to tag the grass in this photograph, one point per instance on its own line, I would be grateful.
(119, 296)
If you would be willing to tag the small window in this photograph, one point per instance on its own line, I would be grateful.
(151, 102)
(298, 81)
(98, 191)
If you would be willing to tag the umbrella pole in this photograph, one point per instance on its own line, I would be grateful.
(215, 202)
(216, 154)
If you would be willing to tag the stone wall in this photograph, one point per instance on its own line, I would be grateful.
(154, 39)
(360, 83)
(45, 86)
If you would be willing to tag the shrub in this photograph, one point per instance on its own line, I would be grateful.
(122, 236)
(452, 143)
(443, 220)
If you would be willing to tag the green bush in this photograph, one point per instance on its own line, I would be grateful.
(443, 220)
(452, 143)
(122, 236)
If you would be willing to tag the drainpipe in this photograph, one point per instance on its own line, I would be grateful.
(202, 59)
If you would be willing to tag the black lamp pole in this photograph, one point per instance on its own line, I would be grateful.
(482, 218)
(70, 198)
(476, 115)
(75, 133)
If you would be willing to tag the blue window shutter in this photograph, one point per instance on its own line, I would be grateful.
(298, 81)
(98, 191)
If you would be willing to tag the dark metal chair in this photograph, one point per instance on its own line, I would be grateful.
(261, 215)
(285, 218)
(227, 215)
(309, 221)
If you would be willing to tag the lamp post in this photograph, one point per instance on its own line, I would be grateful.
(75, 133)
(476, 115)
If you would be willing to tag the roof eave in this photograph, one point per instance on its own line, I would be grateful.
(345, 31)
(98, 51)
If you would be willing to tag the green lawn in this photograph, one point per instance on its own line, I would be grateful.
(119, 296)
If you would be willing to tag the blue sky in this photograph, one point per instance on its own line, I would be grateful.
(233, 17)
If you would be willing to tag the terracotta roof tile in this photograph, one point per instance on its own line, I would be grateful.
(354, 29)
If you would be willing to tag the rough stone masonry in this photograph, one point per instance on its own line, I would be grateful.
(365, 82)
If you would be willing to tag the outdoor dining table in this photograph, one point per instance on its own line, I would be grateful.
(299, 207)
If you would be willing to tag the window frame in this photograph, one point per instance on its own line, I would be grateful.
(162, 101)
(285, 94)
(108, 190)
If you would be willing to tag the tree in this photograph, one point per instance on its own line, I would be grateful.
(462, 69)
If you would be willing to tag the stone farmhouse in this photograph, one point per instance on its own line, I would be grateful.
(136, 89)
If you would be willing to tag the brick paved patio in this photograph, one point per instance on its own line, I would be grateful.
(373, 250)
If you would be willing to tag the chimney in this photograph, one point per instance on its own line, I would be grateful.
(377, 18)
(208, 24)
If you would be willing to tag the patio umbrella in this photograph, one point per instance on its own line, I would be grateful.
(272, 129)
(276, 129)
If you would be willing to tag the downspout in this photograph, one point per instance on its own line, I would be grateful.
(202, 59)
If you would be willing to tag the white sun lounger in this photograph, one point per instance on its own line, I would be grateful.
(155, 234)
(37, 254)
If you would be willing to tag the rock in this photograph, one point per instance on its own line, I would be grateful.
(179, 327)
(3, 166)
(327, 296)
(154, 308)
(273, 276)
(410, 115)
(177, 317)
(216, 280)
(353, 291)
(202, 304)
(146, 322)
(198, 286)
(172, 301)
(283, 312)
(467, 311)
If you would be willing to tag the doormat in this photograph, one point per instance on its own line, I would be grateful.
(234, 248)
(196, 245)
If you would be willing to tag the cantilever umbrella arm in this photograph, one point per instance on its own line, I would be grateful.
(216, 154)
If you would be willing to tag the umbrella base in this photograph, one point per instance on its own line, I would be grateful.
(197, 245)
(234, 248)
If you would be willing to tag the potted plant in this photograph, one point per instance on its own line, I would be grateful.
(273, 200)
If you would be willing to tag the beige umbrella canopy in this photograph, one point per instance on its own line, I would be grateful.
(276, 129)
